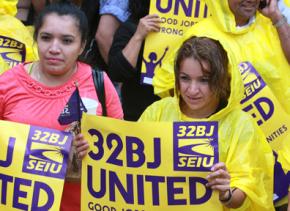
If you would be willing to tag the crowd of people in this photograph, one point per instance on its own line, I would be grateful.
(50, 59)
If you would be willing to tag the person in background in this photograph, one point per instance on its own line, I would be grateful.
(27, 10)
(242, 27)
(113, 12)
(16, 40)
(284, 7)
(36, 93)
(125, 59)
(208, 88)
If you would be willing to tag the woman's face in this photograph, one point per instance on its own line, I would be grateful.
(243, 10)
(197, 99)
(59, 44)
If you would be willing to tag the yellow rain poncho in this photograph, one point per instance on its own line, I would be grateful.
(16, 41)
(239, 139)
(257, 43)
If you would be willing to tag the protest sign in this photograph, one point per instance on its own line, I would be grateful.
(176, 17)
(260, 102)
(33, 164)
(148, 166)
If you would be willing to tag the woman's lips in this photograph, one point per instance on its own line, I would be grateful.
(194, 98)
(54, 60)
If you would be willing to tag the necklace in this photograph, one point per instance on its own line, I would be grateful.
(47, 78)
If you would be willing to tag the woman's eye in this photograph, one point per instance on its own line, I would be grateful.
(183, 78)
(45, 37)
(205, 79)
(67, 41)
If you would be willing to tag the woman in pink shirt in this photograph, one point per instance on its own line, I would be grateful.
(36, 93)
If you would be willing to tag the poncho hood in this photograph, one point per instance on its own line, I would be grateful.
(236, 85)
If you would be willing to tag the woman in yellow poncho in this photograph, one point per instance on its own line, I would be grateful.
(16, 41)
(253, 38)
(208, 89)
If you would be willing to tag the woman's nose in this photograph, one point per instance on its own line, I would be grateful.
(54, 47)
(193, 87)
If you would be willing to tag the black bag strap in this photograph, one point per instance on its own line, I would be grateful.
(98, 78)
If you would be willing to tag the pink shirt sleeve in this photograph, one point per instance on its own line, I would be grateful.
(113, 104)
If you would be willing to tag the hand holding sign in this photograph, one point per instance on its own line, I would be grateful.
(219, 180)
(81, 144)
(150, 23)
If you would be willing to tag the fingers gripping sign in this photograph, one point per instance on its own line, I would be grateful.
(147, 24)
(82, 145)
(219, 179)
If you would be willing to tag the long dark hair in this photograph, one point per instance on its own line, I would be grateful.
(63, 8)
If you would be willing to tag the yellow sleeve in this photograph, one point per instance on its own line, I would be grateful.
(164, 110)
(150, 114)
(250, 162)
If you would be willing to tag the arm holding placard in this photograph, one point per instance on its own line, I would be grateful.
(279, 21)
(147, 24)
(219, 180)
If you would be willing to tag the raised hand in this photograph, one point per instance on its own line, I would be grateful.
(271, 11)
(147, 24)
